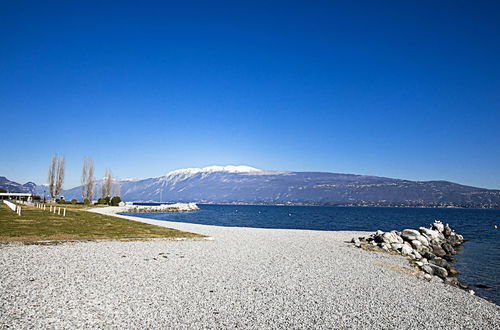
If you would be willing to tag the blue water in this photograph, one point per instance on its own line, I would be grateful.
(478, 260)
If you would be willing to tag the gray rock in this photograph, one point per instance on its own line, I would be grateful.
(406, 250)
(439, 262)
(428, 255)
(417, 245)
(397, 246)
(391, 237)
(448, 249)
(447, 230)
(438, 251)
(409, 234)
(428, 269)
(438, 271)
(417, 255)
(437, 225)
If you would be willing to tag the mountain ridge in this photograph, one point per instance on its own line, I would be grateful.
(249, 185)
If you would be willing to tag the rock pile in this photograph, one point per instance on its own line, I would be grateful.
(431, 249)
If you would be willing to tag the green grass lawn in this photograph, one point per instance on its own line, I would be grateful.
(36, 225)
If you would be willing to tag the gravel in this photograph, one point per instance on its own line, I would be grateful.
(243, 278)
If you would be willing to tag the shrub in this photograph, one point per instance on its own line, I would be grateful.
(115, 201)
(86, 201)
(74, 201)
(2, 190)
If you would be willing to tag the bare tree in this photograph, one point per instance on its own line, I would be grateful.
(52, 175)
(116, 188)
(56, 176)
(87, 180)
(107, 182)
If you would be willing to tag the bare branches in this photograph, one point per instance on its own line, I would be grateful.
(87, 180)
(60, 176)
(107, 183)
(52, 175)
(56, 176)
(116, 188)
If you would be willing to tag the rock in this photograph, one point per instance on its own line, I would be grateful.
(451, 280)
(438, 251)
(437, 225)
(419, 263)
(397, 246)
(406, 250)
(424, 260)
(355, 240)
(358, 244)
(417, 255)
(432, 235)
(428, 255)
(454, 240)
(423, 240)
(428, 269)
(448, 249)
(452, 271)
(439, 271)
(379, 233)
(391, 237)
(385, 247)
(410, 234)
(447, 230)
(416, 245)
(439, 262)
(428, 277)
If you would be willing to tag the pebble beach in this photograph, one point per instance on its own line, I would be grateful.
(236, 278)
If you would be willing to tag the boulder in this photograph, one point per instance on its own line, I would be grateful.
(432, 235)
(406, 250)
(438, 251)
(428, 269)
(391, 238)
(448, 249)
(417, 255)
(396, 246)
(416, 245)
(428, 255)
(437, 225)
(409, 234)
(447, 230)
(439, 271)
(423, 240)
(439, 262)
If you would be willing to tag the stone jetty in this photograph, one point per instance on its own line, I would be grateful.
(430, 249)
(177, 207)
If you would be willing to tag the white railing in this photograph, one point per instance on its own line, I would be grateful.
(11, 205)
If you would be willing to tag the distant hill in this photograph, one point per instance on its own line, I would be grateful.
(248, 185)
(11, 186)
(243, 184)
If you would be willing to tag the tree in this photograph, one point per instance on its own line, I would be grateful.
(56, 176)
(2, 190)
(107, 183)
(116, 188)
(87, 180)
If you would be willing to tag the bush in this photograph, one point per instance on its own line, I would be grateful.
(74, 201)
(86, 201)
(115, 201)
(103, 200)
(2, 190)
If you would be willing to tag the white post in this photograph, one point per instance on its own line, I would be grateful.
(59, 211)
(64, 213)
(44, 207)
(50, 208)
(19, 211)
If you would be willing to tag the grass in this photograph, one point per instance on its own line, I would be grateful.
(38, 225)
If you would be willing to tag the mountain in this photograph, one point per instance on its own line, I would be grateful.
(244, 184)
(11, 186)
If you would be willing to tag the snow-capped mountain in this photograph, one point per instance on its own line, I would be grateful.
(245, 184)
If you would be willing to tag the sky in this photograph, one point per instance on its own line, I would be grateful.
(402, 89)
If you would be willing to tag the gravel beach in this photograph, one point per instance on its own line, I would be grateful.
(241, 278)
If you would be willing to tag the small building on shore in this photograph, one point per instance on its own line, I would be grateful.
(16, 196)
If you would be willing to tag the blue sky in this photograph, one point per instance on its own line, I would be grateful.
(406, 89)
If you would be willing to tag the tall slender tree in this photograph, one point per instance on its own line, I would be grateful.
(87, 179)
(56, 176)
(107, 183)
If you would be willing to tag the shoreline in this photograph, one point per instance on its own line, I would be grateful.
(244, 277)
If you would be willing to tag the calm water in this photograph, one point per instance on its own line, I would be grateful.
(478, 260)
